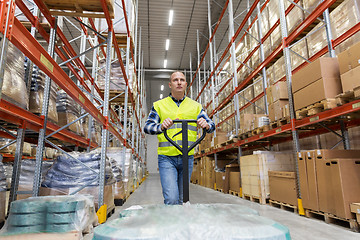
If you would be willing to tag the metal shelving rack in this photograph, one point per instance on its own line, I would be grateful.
(329, 120)
(22, 120)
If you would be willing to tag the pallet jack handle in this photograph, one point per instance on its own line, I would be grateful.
(185, 149)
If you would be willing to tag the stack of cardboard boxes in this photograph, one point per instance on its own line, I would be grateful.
(254, 171)
(315, 82)
(278, 100)
(330, 180)
(349, 66)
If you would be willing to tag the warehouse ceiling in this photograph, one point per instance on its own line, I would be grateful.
(189, 16)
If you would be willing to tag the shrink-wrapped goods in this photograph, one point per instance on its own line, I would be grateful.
(3, 188)
(14, 86)
(301, 49)
(37, 95)
(316, 39)
(117, 81)
(342, 18)
(50, 214)
(68, 111)
(68, 174)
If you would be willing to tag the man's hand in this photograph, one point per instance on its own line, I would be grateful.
(167, 123)
(202, 123)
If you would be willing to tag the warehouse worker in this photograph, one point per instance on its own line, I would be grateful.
(176, 106)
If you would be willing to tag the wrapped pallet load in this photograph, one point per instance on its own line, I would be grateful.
(68, 111)
(27, 174)
(14, 86)
(119, 190)
(117, 81)
(3, 187)
(73, 171)
(125, 165)
(37, 95)
(35, 216)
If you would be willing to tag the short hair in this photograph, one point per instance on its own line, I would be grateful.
(176, 72)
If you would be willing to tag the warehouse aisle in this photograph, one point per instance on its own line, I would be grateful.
(300, 227)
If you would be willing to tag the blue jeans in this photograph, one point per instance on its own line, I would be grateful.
(171, 177)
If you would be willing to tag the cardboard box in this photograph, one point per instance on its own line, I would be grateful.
(355, 208)
(276, 110)
(228, 169)
(322, 68)
(279, 92)
(350, 79)
(220, 137)
(283, 187)
(345, 175)
(324, 185)
(235, 181)
(304, 185)
(312, 187)
(269, 98)
(324, 88)
(349, 59)
(254, 171)
(220, 180)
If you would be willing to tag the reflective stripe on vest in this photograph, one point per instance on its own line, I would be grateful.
(167, 108)
(168, 144)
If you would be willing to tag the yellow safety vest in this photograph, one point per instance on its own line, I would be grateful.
(167, 108)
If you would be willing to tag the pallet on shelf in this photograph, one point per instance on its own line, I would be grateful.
(330, 218)
(283, 206)
(262, 129)
(79, 8)
(262, 200)
(348, 96)
(280, 122)
(316, 108)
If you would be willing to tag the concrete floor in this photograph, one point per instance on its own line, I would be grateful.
(300, 227)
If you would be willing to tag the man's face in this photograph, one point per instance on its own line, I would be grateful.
(178, 83)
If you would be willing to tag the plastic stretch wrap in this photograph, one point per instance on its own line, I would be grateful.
(260, 103)
(310, 5)
(316, 39)
(50, 214)
(294, 18)
(301, 49)
(14, 86)
(68, 111)
(198, 221)
(37, 94)
(279, 69)
(344, 17)
(258, 86)
(66, 172)
(119, 20)
(117, 81)
(119, 191)
(8, 167)
(3, 185)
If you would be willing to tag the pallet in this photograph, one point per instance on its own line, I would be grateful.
(261, 200)
(246, 135)
(283, 206)
(119, 202)
(79, 8)
(110, 211)
(316, 108)
(332, 219)
(73, 235)
(348, 96)
(259, 130)
(234, 193)
(280, 122)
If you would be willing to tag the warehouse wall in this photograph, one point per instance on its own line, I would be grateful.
(152, 162)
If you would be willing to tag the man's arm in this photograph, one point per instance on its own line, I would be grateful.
(152, 124)
(203, 115)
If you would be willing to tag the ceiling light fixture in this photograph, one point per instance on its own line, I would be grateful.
(165, 63)
(162, 87)
(167, 44)
(161, 96)
(171, 15)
